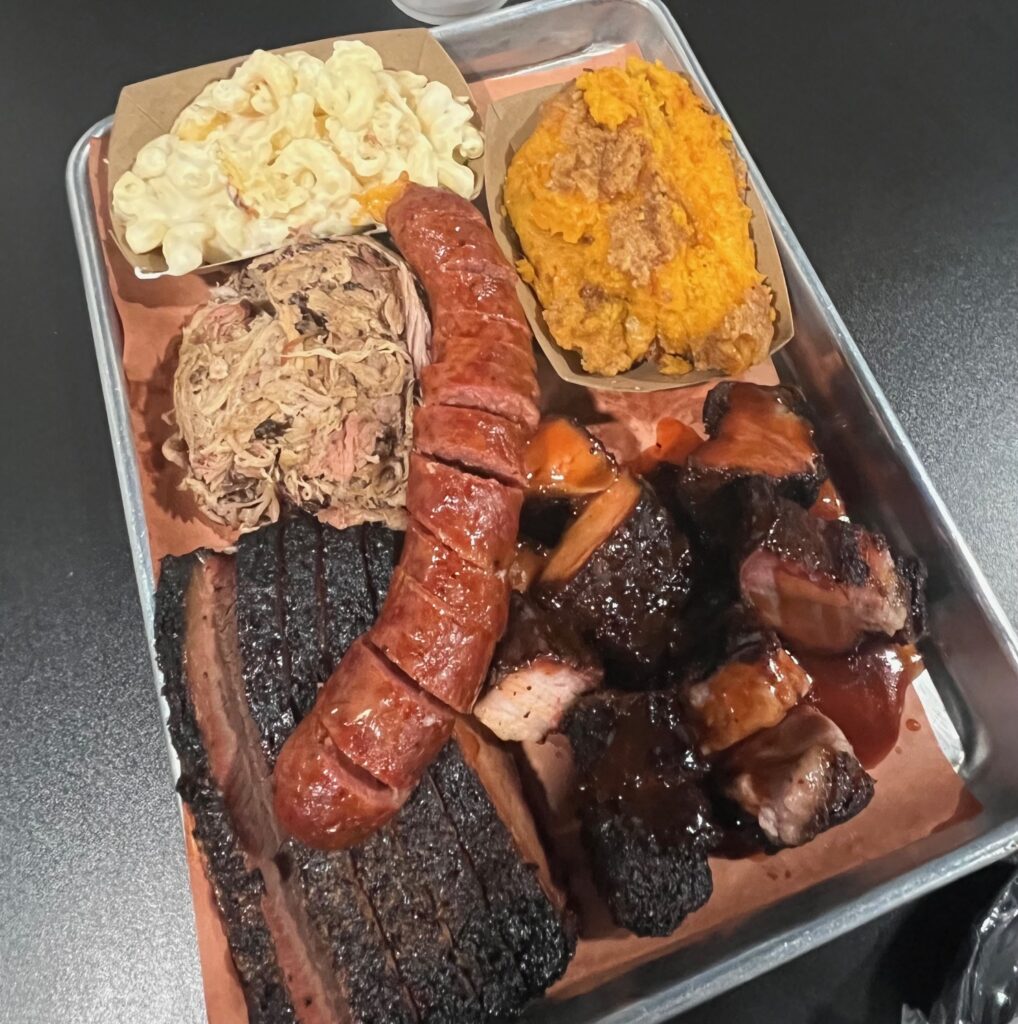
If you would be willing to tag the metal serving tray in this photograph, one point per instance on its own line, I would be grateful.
(972, 653)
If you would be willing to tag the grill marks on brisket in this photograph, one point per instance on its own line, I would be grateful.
(238, 891)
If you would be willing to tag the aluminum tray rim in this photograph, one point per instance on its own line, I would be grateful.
(756, 957)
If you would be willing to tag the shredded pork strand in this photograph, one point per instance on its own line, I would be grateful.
(295, 384)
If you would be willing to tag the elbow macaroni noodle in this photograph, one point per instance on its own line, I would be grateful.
(288, 144)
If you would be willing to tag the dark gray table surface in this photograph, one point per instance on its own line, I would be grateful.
(888, 133)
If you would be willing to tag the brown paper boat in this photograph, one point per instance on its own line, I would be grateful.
(148, 109)
(508, 123)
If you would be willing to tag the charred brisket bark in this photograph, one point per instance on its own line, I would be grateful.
(517, 906)
(238, 891)
(407, 914)
(260, 630)
(381, 553)
(349, 600)
(339, 912)
(435, 855)
(303, 608)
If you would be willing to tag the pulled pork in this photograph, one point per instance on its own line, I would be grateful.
(295, 384)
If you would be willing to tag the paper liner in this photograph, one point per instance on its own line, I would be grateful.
(508, 122)
(148, 109)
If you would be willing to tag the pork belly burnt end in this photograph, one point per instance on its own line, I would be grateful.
(754, 689)
(821, 584)
(540, 667)
(797, 779)
(753, 430)
(621, 572)
(644, 816)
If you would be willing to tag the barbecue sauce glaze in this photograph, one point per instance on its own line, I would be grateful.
(645, 769)
(864, 693)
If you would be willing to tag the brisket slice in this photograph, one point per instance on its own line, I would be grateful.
(349, 599)
(334, 582)
(382, 547)
(345, 925)
(436, 917)
(304, 610)
(261, 633)
(406, 912)
(238, 891)
(435, 856)
(519, 909)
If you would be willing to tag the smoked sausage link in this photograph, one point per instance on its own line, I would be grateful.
(389, 707)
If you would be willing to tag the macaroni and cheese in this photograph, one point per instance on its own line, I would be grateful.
(289, 143)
